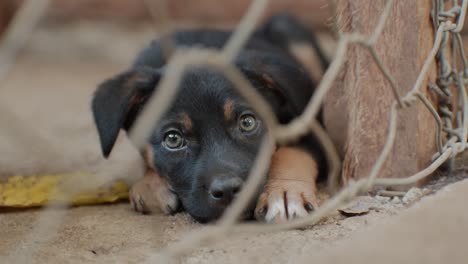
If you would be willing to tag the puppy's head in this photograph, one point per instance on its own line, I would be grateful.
(206, 143)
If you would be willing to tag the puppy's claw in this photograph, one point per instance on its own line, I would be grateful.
(141, 202)
(144, 209)
(172, 210)
(138, 204)
(309, 207)
(260, 213)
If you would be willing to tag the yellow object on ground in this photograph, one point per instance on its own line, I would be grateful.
(31, 191)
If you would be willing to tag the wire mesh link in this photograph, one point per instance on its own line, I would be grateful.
(452, 123)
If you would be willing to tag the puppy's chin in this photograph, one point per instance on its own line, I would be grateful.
(206, 218)
(204, 212)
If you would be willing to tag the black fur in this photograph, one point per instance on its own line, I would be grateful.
(215, 148)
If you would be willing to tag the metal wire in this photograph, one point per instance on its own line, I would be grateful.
(452, 123)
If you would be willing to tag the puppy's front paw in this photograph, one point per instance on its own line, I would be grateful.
(152, 194)
(290, 188)
(284, 200)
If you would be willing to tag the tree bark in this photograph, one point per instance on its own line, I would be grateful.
(357, 109)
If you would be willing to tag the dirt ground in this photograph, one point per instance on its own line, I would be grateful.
(49, 90)
(432, 231)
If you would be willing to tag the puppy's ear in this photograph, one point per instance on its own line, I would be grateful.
(117, 102)
(287, 87)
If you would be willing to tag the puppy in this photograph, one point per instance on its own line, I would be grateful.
(201, 151)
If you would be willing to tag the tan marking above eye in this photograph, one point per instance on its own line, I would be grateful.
(268, 80)
(137, 77)
(185, 120)
(228, 109)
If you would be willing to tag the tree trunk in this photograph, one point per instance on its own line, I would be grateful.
(358, 107)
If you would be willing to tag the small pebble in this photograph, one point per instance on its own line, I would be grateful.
(412, 195)
(396, 200)
(359, 206)
(382, 199)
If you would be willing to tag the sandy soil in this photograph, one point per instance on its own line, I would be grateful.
(106, 234)
(432, 231)
(51, 96)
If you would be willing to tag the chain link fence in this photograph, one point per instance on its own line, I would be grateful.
(452, 121)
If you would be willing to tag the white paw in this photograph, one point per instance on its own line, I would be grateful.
(285, 200)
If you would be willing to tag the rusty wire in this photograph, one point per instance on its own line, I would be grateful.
(452, 125)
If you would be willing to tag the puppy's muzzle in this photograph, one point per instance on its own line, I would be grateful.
(224, 189)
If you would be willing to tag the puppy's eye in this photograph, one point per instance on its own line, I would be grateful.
(173, 140)
(247, 122)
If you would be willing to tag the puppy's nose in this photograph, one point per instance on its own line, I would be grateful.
(223, 190)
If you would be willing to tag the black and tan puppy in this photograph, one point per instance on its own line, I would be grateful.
(200, 153)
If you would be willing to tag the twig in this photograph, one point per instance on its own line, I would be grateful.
(18, 32)
(244, 29)
(159, 11)
(390, 193)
